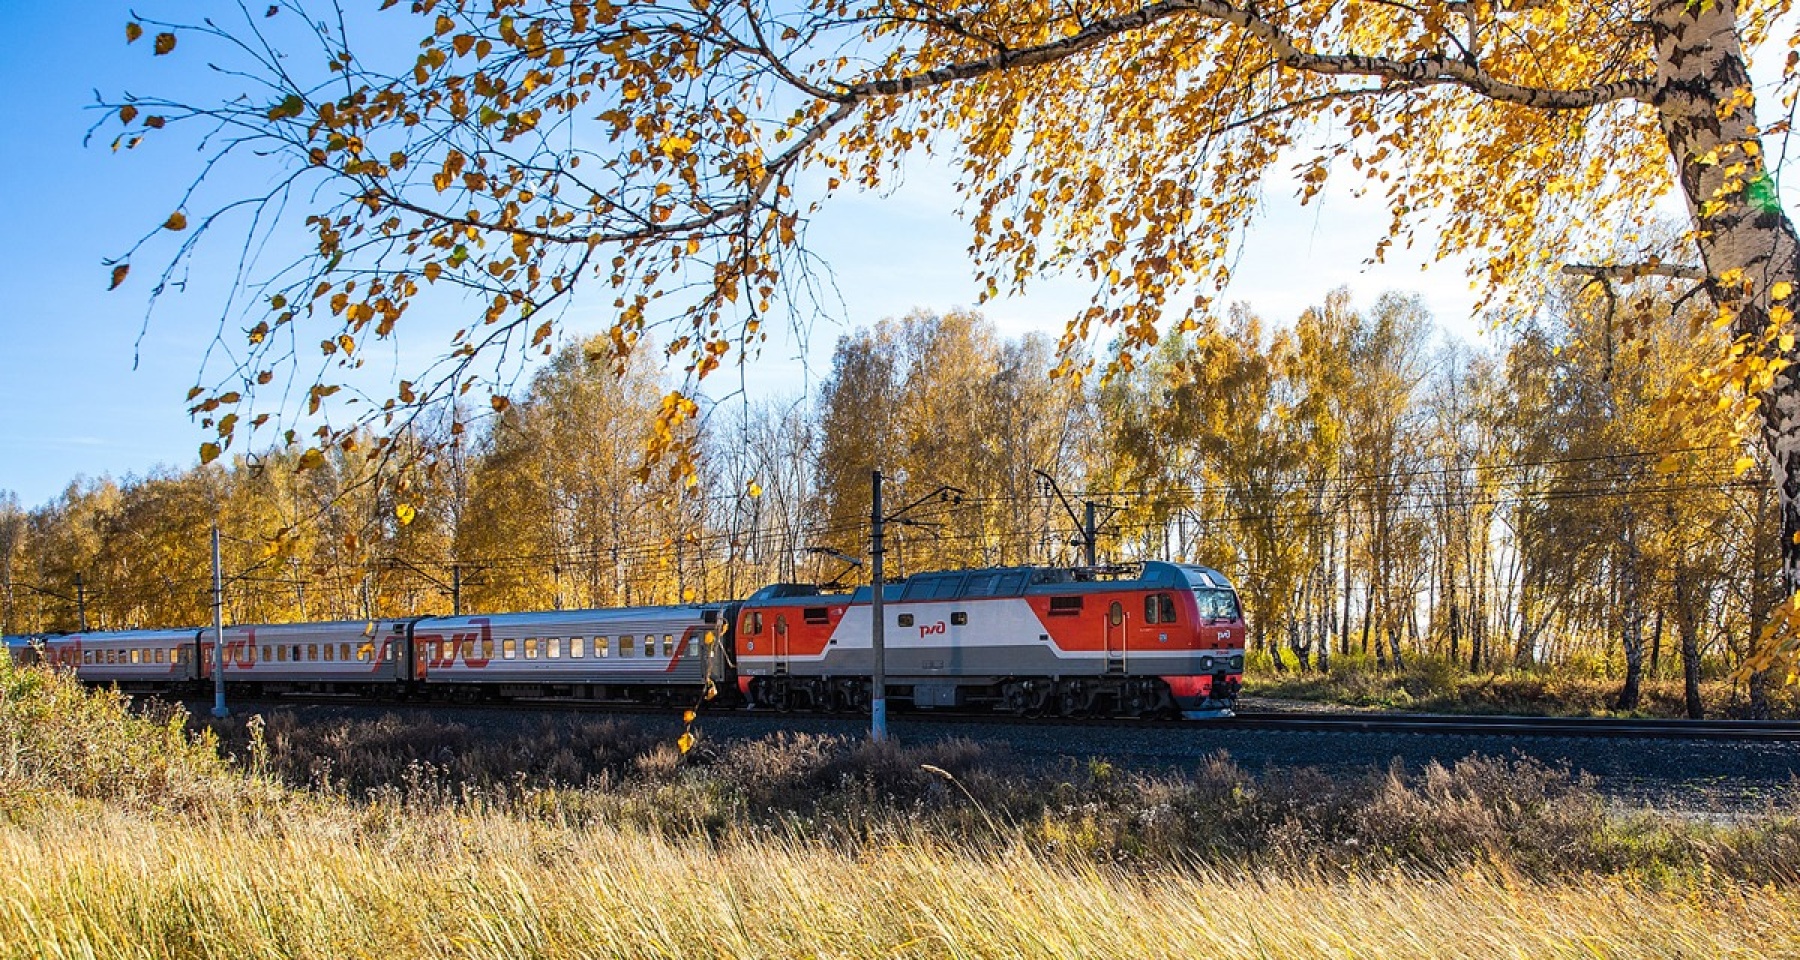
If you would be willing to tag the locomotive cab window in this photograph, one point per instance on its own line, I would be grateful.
(753, 623)
(1165, 605)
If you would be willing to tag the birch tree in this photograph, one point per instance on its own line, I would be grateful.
(669, 155)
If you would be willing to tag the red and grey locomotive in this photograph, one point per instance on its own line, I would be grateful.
(1152, 639)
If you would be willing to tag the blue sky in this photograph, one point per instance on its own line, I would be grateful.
(81, 395)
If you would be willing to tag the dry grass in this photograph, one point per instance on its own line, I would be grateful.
(1433, 685)
(122, 837)
(126, 884)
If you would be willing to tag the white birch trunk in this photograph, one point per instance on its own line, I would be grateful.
(1708, 121)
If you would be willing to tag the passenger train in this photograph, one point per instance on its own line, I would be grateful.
(1151, 639)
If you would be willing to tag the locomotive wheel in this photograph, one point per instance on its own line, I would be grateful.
(1015, 698)
(1071, 699)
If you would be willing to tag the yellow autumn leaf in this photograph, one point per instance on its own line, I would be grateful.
(688, 716)
(755, 489)
(1781, 291)
(208, 453)
(176, 221)
(405, 514)
(686, 742)
(1742, 464)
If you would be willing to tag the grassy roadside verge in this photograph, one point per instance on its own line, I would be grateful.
(120, 835)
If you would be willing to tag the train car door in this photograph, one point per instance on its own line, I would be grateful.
(782, 644)
(1115, 633)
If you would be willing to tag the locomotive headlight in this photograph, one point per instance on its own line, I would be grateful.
(1237, 662)
(1206, 664)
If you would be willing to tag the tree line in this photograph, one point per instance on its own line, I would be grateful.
(1375, 487)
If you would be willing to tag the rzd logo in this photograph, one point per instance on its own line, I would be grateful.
(926, 630)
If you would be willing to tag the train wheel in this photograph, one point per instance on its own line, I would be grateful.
(1015, 698)
(1071, 699)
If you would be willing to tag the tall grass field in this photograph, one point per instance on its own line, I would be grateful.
(123, 834)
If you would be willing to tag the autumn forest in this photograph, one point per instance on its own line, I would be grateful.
(1377, 488)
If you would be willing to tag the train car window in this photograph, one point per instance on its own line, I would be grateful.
(363, 652)
(509, 648)
(649, 645)
(816, 615)
(330, 653)
(906, 619)
(554, 645)
(600, 649)
(487, 649)
(312, 652)
(1065, 606)
(668, 645)
(162, 656)
(625, 646)
(134, 655)
(343, 651)
(1166, 605)
(87, 658)
(1116, 613)
(577, 647)
(959, 619)
(753, 623)
(531, 648)
(693, 647)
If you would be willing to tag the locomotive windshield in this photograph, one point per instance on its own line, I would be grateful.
(1216, 604)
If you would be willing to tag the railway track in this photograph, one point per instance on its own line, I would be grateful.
(1496, 726)
(1307, 722)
